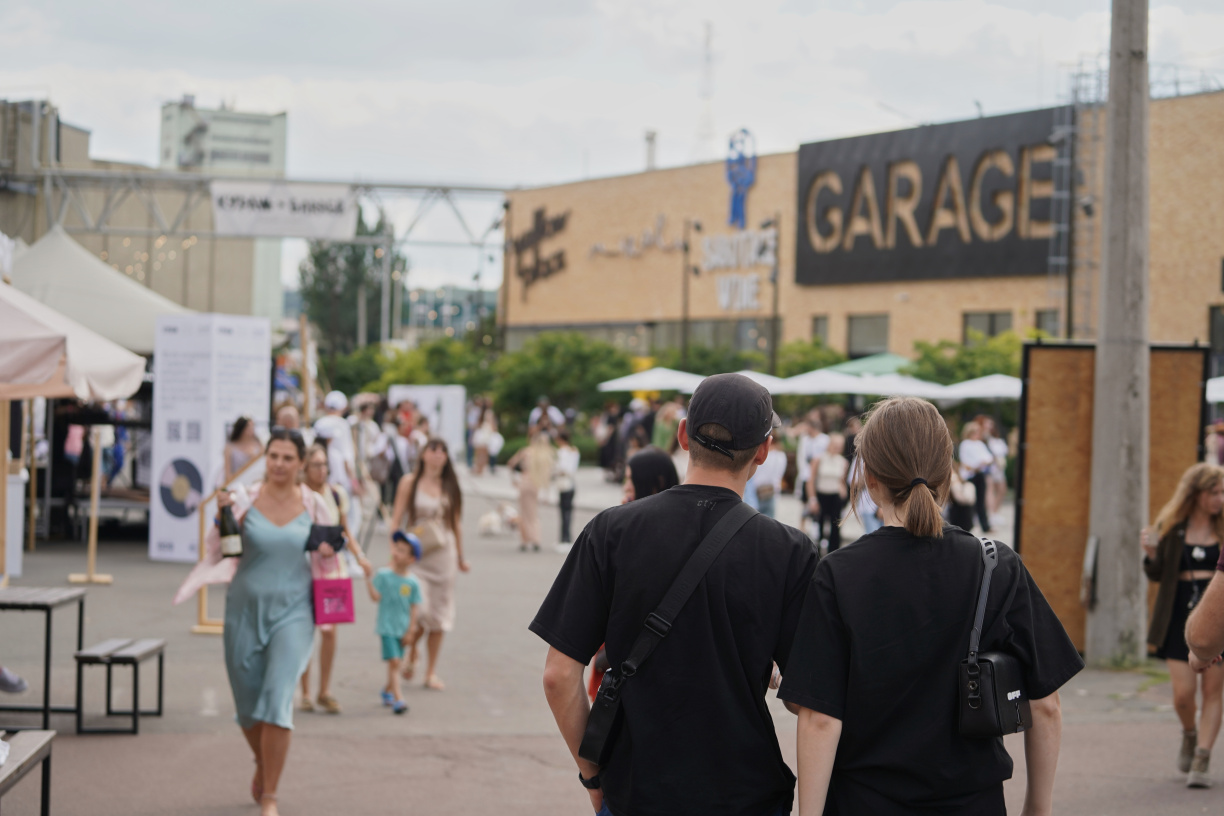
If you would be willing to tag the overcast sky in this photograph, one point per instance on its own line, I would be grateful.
(530, 92)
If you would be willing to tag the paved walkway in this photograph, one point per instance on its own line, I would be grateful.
(485, 745)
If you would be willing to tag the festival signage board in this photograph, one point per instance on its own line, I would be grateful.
(279, 209)
(208, 369)
(959, 200)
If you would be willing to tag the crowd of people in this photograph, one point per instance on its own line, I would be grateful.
(796, 610)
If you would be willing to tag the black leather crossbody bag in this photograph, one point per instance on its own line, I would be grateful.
(993, 701)
(604, 721)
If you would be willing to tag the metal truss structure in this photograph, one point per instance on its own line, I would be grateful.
(85, 202)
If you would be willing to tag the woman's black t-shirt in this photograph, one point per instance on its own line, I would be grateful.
(880, 639)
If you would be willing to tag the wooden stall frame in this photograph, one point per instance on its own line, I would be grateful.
(204, 624)
(1204, 412)
(90, 576)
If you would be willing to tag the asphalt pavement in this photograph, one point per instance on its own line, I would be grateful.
(485, 744)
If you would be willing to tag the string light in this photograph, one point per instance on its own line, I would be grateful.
(103, 255)
(127, 242)
(173, 255)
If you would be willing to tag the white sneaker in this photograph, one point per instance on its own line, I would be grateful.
(563, 547)
(11, 683)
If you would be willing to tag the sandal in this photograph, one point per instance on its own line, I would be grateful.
(266, 798)
(434, 683)
(306, 705)
(329, 704)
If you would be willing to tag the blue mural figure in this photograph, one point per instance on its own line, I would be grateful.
(741, 173)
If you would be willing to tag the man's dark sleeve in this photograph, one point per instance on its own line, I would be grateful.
(1037, 638)
(803, 565)
(819, 667)
(574, 616)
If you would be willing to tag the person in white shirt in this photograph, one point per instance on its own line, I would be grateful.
(554, 414)
(975, 461)
(565, 473)
(812, 443)
(829, 478)
(763, 487)
(334, 431)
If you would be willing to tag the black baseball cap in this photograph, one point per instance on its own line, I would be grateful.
(738, 404)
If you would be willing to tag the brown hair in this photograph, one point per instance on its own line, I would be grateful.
(1194, 482)
(292, 437)
(906, 446)
(450, 485)
(701, 455)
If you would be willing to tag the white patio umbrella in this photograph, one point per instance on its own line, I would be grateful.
(990, 387)
(654, 379)
(896, 385)
(775, 385)
(1215, 389)
(820, 381)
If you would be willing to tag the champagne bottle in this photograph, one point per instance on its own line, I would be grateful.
(231, 534)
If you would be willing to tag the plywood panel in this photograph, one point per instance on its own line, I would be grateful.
(1057, 476)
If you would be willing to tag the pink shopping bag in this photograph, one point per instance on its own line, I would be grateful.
(333, 590)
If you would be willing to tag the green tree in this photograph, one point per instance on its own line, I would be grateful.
(565, 366)
(444, 361)
(351, 372)
(946, 361)
(802, 356)
(707, 360)
(330, 278)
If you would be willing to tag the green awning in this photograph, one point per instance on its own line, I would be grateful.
(886, 363)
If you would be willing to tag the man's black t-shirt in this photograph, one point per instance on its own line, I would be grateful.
(697, 736)
(883, 632)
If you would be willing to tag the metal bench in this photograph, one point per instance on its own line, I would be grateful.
(27, 749)
(123, 652)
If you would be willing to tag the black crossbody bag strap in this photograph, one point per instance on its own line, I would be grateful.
(603, 722)
(990, 558)
(659, 622)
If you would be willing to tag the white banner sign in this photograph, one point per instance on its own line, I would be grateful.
(208, 369)
(278, 209)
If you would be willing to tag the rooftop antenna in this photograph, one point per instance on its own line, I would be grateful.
(705, 149)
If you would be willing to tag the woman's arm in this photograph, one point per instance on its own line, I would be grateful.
(817, 736)
(464, 566)
(375, 596)
(1153, 556)
(400, 509)
(1041, 744)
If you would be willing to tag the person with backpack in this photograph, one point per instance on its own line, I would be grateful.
(691, 732)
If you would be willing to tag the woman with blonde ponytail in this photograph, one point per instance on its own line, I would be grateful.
(873, 669)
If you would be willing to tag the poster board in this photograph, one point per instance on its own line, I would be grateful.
(1054, 471)
(444, 405)
(208, 369)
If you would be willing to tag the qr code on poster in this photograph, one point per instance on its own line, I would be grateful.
(193, 431)
(174, 432)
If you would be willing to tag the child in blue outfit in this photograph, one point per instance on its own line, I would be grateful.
(397, 594)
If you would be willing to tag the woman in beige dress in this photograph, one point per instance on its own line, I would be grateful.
(534, 464)
(429, 504)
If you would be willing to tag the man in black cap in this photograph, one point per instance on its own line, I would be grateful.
(696, 735)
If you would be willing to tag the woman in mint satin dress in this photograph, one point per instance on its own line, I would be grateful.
(269, 612)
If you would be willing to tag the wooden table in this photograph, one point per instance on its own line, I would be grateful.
(33, 599)
(27, 749)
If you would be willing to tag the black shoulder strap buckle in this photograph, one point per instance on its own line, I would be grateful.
(657, 625)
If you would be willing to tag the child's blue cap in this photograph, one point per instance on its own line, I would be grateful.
(412, 541)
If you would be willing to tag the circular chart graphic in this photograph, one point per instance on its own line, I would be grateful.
(181, 488)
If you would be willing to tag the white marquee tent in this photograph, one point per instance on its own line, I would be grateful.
(654, 379)
(62, 274)
(990, 387)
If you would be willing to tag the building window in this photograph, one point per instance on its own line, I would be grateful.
(987, 324)
(820, 328)
(1046, 320)
(868, 334)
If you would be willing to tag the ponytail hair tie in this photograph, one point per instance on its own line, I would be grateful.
(917, 482)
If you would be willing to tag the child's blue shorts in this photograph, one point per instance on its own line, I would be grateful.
(392, 649)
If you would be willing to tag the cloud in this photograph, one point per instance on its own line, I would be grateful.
(530, 92)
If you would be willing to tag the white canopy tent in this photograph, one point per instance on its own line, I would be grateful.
(62, 274)
(654, 379)
(45, 354)
(1215, 390)
(769, 381)
(990, 387)
(820, 381)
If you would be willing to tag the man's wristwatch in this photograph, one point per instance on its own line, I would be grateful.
(589, 784)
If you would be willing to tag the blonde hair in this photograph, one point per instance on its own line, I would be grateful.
(1197, 480)
(905, 445)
